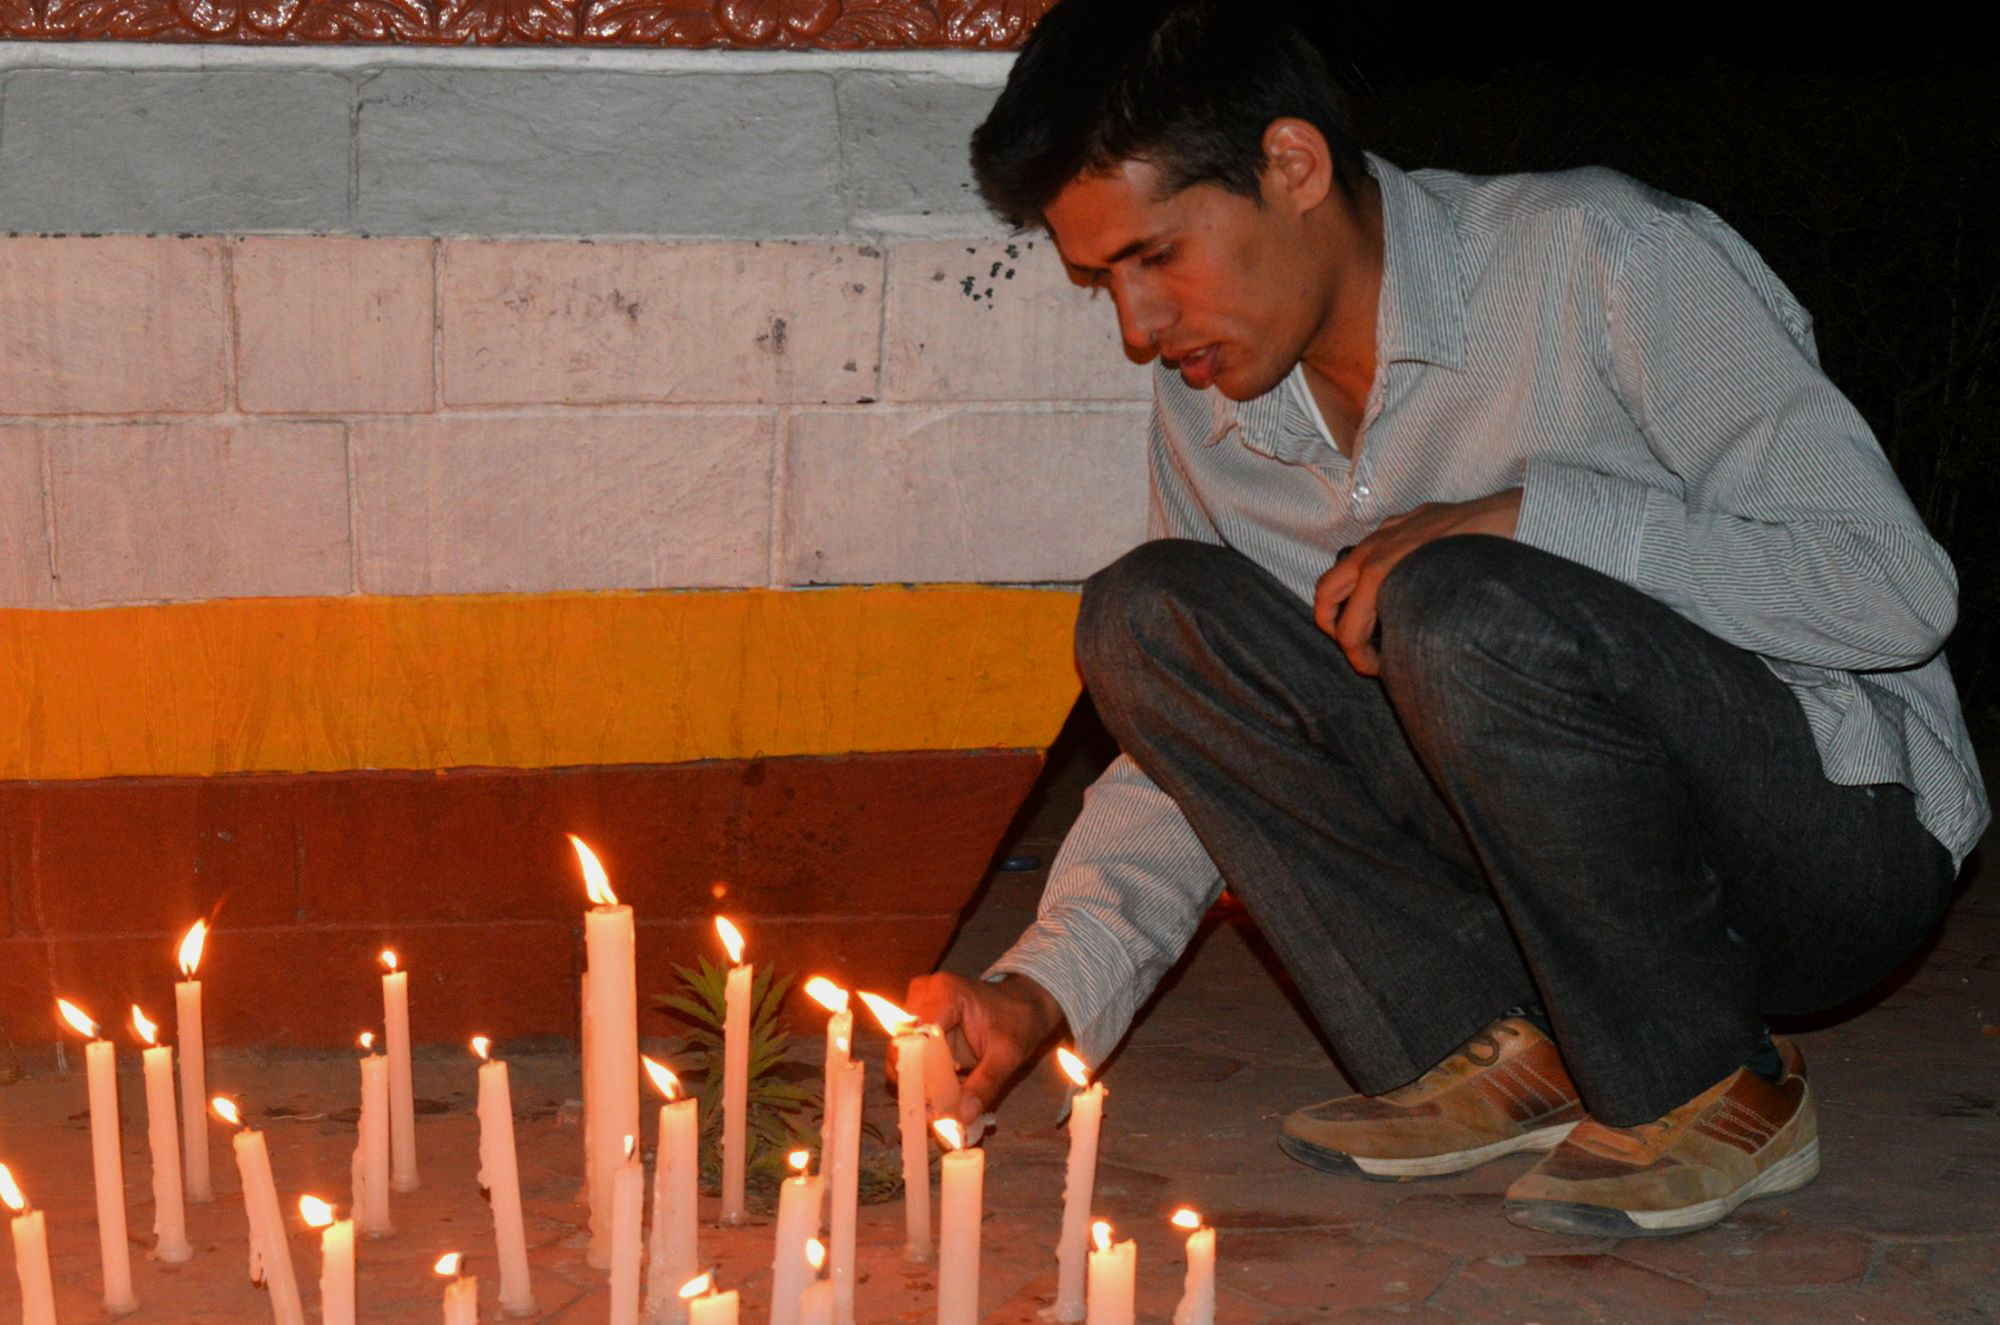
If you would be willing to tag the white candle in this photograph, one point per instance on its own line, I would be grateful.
(910, 1049)
(336, 1261)
(1197, 1305)
(839, 1046)
(735, 1073)
(461, 1295)
(31, 1255)
(371, 1153)
(270, 1252)
(941, 1086)
(671, 1254)
(628, 1208)
(500, 1176)
(589, 1109)
(194, 1066)
(706, 1305)
(402, 1089)
(816, 1302)
(107, 1163)
(961, 1196)
(613, 1053)
(163, 1135)
(1114, 1274)
(798, 1222)
(845, 1187)
(1086, 1112)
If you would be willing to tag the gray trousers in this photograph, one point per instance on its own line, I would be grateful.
(1558, 789)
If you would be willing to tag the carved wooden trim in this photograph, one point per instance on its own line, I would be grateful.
(842, 25)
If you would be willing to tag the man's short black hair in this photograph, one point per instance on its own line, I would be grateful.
(1188, 86)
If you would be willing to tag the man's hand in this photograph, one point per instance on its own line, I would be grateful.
(991, 1027)
(1344, 599)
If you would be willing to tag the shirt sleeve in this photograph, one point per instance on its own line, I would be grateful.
(1132, 881)
(1789, 534)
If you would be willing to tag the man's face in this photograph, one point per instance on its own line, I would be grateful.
(1220, 287)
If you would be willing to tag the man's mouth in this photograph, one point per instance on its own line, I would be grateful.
(1197, 367)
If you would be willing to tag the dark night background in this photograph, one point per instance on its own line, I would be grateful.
(1867, 174)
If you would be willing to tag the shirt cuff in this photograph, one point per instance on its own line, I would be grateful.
(1583, 516)
(1081, 965)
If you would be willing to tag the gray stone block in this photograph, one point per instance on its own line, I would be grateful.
(88, 151)
(519, 152)
(906, 143)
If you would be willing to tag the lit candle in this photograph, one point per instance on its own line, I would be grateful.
(708, 1305)
(31, 1255)
(909, 1045)
(402, 1089)
(169, 1214)
(1114, 1274)
(500, 1177)
(613, 1051)
(735, 1072)
(845, 1187)
(194, 1065)
(1086, 1112)
(816, 1303)
(106, 1163)
(670, 1257)
(839, 1044)
(270, 1253)
(961, 1197)
(628, 1209)
(1197, 1305)
(336, 1260)
(371, 1151)
(461, 1295)
(798, 1220)
(585, 1039)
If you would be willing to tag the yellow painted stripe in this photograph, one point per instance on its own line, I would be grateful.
(541, 681)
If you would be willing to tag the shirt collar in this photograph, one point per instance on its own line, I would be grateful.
(1420, 316)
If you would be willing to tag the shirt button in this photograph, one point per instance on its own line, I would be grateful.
(1361, 489)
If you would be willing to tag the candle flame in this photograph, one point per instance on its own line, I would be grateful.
(815, 1253)
(952, 1132)
(449, 1264)
(1186, 1218)
(149, 1030)
(1073, 1067)
(483, 1047)
(78, 1020)
(366, 1040)
(225, 1109)
(827, 994)
(191, 946)
(798, 1159)
(663, 1078)
(316, 1213)
(732, 939)
(388, 959)
(1100, 1233)
(596, 884)
(894, 1020)
(698, 1285)
(10, 1193)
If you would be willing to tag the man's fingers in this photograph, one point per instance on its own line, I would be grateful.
(1331, 591)
(1355, 631)
(985, 1082)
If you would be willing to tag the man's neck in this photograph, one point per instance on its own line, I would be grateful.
(1339, 362)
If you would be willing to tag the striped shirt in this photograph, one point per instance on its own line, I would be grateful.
(1628, 361)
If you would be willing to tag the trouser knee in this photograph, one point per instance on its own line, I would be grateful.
(1139, 605)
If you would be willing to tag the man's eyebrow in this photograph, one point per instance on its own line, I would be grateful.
(1128, 251)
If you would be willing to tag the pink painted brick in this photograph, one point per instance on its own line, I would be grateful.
(330, 324)
(24, 545)
(508, 504)
(567, 323)
(184, 511)
(984, 496)
(110, 326)
(999, 320)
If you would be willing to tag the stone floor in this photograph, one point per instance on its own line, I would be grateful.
(1903, 1226)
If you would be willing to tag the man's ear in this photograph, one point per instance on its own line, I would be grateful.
(1298, 167)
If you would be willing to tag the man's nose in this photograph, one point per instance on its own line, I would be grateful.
(1142, 316)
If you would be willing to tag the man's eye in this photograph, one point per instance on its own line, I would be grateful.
(1158, 257)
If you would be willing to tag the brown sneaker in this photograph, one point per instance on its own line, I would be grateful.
(1742, 1137)
(1505, 1090)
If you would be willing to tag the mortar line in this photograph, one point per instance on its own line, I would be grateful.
(231, 396)
(353, 508)
(46, 457)
(781, 476)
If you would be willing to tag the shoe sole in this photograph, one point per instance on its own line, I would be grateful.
(1603, 1221)
(1426, 1166)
